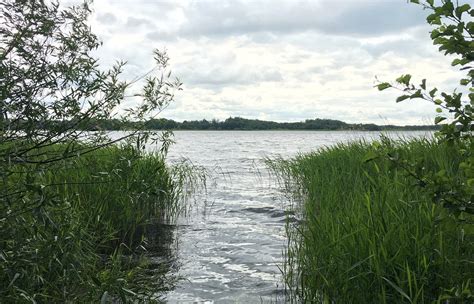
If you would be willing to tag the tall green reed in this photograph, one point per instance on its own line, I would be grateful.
(74, 231)
(368, 235)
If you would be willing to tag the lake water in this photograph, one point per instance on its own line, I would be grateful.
(230, 247)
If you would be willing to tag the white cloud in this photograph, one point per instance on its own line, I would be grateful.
(278, 60)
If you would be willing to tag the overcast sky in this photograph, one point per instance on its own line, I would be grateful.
(279, 60)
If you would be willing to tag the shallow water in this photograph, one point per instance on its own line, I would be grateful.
(230, 247)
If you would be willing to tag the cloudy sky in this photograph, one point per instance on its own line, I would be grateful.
(281, 60)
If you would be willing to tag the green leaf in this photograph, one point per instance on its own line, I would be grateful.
(460, 61)
(398, 289)
(433, 92)
(430, 2)
(439, 110)
(456, 62)
(417, 94)
(440, 40)
(438, 101)
(404, 79)
(441, 173)
(434, 19)
(461, 9)
(423, 84)
(470, 182)
(369, 156)
(402, 98)
(96, 281)
(383, 86)
(448, 8)
(439, 119)
(15, 277)
(435, 34)
(470, 25)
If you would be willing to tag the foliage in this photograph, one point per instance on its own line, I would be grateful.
(71, 204)
(238, 123)
(454, 34)
(52, 87)
(367, 235)
(95, 207)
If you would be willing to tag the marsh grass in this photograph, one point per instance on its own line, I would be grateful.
(76, 231)
(369, 233)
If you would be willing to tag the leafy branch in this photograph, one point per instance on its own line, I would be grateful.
(453, 33)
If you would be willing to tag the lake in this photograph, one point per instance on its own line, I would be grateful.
(230, 247)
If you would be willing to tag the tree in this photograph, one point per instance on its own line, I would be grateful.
(53, 88)
(454, 34)
(52, 94)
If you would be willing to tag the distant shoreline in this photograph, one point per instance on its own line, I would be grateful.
(290, 130)
(243, 124)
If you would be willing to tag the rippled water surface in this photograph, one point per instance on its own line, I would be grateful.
(230, 247)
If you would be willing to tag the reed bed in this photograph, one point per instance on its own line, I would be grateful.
(369, 233)
(76, 231)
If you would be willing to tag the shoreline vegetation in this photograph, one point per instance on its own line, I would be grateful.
(368, 233)
(391, 221)
(81, 213)
(83, 228)
(239, 123)
(382, 222)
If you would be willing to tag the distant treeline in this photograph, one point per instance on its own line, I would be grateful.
(231, 123)
(238, 123)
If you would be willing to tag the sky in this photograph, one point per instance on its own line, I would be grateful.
(280, 60)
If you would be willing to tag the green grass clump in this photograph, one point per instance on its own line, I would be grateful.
(72, 231)
(370, 233)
